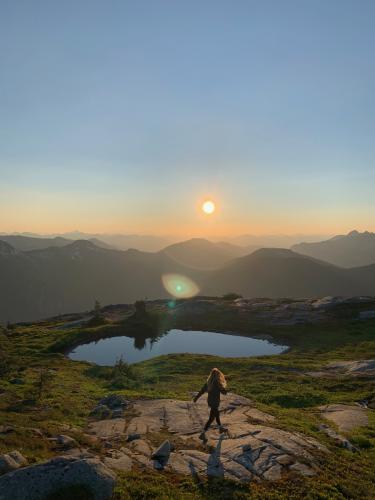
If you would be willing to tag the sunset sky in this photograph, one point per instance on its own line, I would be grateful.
(124, 116)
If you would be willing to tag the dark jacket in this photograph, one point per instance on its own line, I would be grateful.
(213, 399)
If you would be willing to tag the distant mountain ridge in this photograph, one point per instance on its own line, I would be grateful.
(25, 243)
(350, 250)
(198, 253)
(46, 282)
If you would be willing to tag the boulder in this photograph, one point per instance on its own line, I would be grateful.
(37, 482)
(17, 381)
(162, 453)
(118, 460)
(101, 411)
(66, 441)
(346, 417)
(114, 401)
(339, 440)
(11, 461)
(367, 314)
(108, 429)
(252, 449)
(117, 413)
(132, 437)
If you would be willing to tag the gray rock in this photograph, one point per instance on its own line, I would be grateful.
(162, 453)
(132, 437)
(367, 315)
(302, 469)
(66, 441)
(17, 381)
(101, 411)
(38, 481)
(6, 429)
(117, 413)
(106, 429)
(11, 461)
(328, 302)
(251, 450)
(339, 440)
(158, 465)
(114, 401)
(118, 460)
(346, 417)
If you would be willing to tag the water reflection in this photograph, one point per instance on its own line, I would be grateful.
(143, 346)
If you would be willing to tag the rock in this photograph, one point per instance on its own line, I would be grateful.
(101, 411)
(36, 432)
(11, 461)
(141, 447)
(133, 437)
(114, 401)
(6, 429)
(17, 381)
(367, 315)
(78, 453)
(361, 367)
(66, 441)
(302, 469)
(117, 413)
(118, 460)
(162, 453)
(340, 440)
(251, 450)
(346, 417)
(105, 429)
(39, 481)
(158, 465)
(328, 302)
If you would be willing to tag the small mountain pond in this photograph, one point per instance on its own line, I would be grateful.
(108, 351)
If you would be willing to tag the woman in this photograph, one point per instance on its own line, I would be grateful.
(215, 385)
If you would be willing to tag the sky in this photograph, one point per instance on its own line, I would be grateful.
(123, 116)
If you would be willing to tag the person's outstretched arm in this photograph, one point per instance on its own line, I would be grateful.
(202, 391)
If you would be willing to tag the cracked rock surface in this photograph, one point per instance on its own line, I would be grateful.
(252, 449)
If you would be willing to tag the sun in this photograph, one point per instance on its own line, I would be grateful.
(208, 207)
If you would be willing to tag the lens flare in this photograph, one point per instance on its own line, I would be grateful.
(180, 287)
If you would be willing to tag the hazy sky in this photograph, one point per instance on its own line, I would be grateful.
(123, 115)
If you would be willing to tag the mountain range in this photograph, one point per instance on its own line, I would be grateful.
(153, 243)
(58, 279)
(349, 250)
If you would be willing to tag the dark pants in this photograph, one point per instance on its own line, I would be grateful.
(214, 414)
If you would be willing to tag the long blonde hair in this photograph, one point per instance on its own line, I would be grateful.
(216, 377)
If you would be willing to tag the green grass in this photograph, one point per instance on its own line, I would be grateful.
(276, 384)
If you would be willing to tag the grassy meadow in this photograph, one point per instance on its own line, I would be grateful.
(42, 391)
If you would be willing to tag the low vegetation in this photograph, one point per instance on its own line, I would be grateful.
(41, 391)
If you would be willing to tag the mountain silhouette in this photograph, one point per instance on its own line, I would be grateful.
(198, 253)
(56, 280)
(271, 272)
(350, 250)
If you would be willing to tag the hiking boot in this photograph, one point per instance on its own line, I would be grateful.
(202, 437)
(222, 429)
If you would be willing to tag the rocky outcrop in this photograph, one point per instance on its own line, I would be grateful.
(290, 312)
(252, 449)
(11, 461)
(360, 368)
(346, 417)
(337, 438)
(37, 482)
